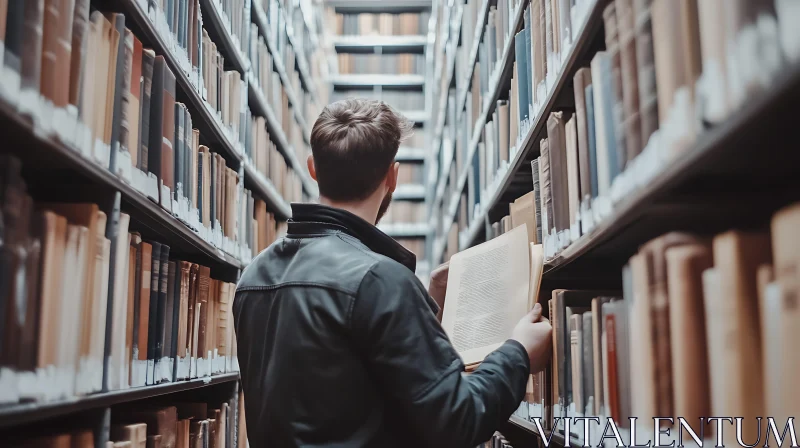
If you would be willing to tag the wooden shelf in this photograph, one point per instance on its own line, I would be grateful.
(24, 413)
(379, 6)
(408, 81)
(405, 154)
(405, 230)
(409, 192)
(386, 44)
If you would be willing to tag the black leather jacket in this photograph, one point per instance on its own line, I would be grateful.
(339, 345)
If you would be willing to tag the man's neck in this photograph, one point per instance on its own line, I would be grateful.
(363, 209)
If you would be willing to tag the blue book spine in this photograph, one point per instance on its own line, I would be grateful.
(522, 69)
(607, 84)
(589, 96)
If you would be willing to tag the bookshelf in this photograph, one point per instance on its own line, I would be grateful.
(382, 50)
(58, 160)
(698, 173)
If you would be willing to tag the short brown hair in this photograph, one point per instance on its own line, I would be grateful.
(354, 142)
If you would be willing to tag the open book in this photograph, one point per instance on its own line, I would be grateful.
(490, 288)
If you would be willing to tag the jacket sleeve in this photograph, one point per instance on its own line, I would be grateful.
(419, 371)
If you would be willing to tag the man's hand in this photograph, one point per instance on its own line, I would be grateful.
(438, 285)
(535, 334)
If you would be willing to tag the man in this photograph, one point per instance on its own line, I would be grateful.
(338, 341)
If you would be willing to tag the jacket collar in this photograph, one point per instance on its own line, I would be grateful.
(310, 219)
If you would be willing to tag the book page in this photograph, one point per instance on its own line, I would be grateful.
(487, 294)
(537, 266)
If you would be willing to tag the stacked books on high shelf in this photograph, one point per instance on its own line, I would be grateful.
(281, 74)
(391, 71)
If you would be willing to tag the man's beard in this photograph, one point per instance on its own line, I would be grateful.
(384, 206)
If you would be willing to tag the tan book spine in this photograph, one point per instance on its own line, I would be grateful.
(144, 301)
(783, 403)
(641, 344)
(677, 55)
(57, 50)
(573, 176)
(685, 266)
(79, 51)
(734, 341)
(583, 78)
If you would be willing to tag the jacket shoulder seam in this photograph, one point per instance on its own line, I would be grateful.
(296, 283)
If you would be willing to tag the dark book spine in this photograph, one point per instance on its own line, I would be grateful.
(213, 205)
(32, 43)
(176, 317)
(11, 201)
(590, 130)
(15, 20)
(168, 142)
(147, 90)
(119, 82)
(200, 185)
(152, 326)
(112, 234)
(170, 314)
(154, 159)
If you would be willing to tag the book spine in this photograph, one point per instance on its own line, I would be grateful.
(646, 70)
(630, 83)
(147, 90)
(119, 84)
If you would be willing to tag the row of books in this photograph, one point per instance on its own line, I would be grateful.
(587, 154)
(280, 27)
(381, 64)
(383, 24)
(415, 245)
(123, 114)
(496, 32)
(74, 266)
(263, 229)
(235, 16)
(170, 423)
(410, 173)
(695, 333)
(403, 212)
(263, 154)
(225, 90)
(274, 91)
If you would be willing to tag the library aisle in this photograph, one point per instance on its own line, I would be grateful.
(153, 148)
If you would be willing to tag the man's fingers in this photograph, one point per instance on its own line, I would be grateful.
(535, 313)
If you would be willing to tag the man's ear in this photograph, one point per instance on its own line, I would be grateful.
(312, 170)
(391, 176)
